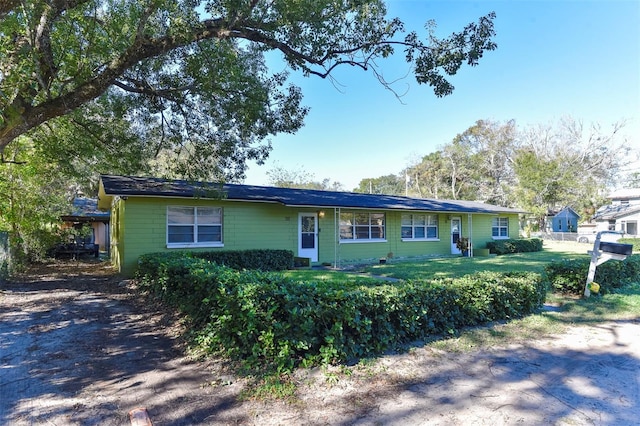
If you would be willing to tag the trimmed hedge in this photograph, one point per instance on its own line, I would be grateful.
(511, 246)
(258, 259)
(570, 276)
(634, 241)
(266, 319)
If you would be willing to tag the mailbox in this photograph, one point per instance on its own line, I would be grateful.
(616, 248)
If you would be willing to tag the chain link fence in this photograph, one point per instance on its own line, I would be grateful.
(557, 236)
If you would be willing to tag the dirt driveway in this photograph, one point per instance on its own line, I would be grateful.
(78, 346)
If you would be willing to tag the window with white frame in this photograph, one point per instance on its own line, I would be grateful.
(188, 226)
(500, 227)
(362, 226)
(419, 226)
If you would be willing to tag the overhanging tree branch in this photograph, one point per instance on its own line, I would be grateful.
(158, 30)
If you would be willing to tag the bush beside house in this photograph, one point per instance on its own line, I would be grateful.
(264, 318)
(511, 246)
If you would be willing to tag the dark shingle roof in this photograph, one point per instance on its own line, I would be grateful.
(143, 186)
(86, 209)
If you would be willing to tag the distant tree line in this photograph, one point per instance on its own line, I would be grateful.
(537, 169)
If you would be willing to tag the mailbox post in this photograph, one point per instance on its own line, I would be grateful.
(603, 251)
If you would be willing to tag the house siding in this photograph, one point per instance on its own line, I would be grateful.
(245, 226)
(139, 227)
(365, 250)
(348, 252)
(565, 221)
(117, 234)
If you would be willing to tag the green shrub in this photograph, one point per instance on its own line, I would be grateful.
(515, 246)
(570, 276)
(263, 260)
(266, 319)
(633, 241)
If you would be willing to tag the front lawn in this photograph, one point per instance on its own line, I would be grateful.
(311, 275)
(459, 266)
(450, 267)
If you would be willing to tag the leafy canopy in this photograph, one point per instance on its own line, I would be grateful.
(300, 178)
(537, 168)
(190, 76)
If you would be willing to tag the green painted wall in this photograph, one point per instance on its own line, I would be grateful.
(482, 228)
(139, 227)
(117, 233)
(349, 252)
(245, 226)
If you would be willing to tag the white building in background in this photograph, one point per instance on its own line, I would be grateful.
(623, 214)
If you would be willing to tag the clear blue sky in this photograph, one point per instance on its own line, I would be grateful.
(554, 59)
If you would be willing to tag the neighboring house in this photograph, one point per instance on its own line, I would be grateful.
(566, 220)
(623, 214)
(85, 211)
(152, 215)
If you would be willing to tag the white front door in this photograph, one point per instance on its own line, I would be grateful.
(308, 236)
(456, 230)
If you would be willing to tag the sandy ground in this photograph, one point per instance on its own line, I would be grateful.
(78, 346)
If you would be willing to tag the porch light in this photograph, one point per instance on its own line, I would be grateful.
(321, 213)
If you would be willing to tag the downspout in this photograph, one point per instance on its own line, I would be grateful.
(107, 237)
(336, 236)
(470, 226)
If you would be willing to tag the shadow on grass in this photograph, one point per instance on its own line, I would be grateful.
(625, 303)
(451, 267)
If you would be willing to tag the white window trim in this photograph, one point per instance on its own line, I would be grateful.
(500, 237)
(194, 245)
(363, 240)
(207, 244)
(425, 226)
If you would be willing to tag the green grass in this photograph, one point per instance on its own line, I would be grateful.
(566, 310)
(458, 266)
(311, 275)
(271, 387)
(446, 267)
(622, 306)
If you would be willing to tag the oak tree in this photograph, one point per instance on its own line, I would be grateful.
(568, 163)
(191, 76)
(301, 179)
(388, 185)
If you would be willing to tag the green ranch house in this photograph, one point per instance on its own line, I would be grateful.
(152, 215)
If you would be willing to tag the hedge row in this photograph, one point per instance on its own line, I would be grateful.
(264, 318)
(570, 276)
(633, 241)
(514, 246)
(263, 260)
